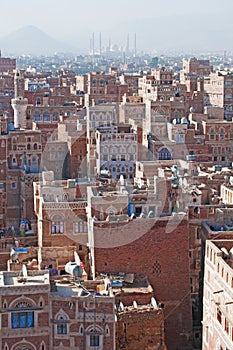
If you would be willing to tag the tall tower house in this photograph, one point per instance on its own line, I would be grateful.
(19, 102)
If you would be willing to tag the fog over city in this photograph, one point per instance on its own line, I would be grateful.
(177, 26)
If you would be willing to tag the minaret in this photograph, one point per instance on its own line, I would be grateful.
(19, 103)
(100, 44)
(127, 44)
(135, 44)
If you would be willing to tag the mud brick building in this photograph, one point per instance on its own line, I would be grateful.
(60, 207)
(24, 311)
(158, 248)
(217, 298)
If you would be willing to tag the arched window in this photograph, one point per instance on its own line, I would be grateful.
(228, 95)
(46, 116)
(80, 226)
(164, 154)
(111, 210)
(62, 321)
(55, 116)
(102, 82)
(57, 225)
(60, 153)
(14, 161)
(66, 197)
(24, 346)
(34, 164)
(160, 111)
(37, 116)
(61, 327)
(23, 317)
(105, 150)
(52, 153)
(95, 338)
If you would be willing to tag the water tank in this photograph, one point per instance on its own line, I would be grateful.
(74, 269)
(10, 127)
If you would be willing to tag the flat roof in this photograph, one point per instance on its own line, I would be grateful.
(9, 279)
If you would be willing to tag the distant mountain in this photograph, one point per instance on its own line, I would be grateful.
(30, 40)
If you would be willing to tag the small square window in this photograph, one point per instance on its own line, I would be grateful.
(13, 185)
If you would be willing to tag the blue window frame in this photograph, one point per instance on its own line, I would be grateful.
(62, 328)
(22, 319)
(94, 340)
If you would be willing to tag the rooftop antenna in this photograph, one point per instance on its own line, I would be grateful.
(135, 44)
(127, 44)
(90, 46)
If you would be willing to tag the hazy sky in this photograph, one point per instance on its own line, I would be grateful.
(76, 20)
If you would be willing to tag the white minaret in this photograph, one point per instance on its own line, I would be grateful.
(19, 103)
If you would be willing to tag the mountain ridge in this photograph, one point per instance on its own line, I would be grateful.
(31, 40)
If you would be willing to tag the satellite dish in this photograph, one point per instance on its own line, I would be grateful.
(139, 183)
(153, 303)
(76, 258)
(122, 180)
(225, 252)
(231, 253)
(135, 305)
(13, 255)
(121, 306)
(150, 214)
(24, 270)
